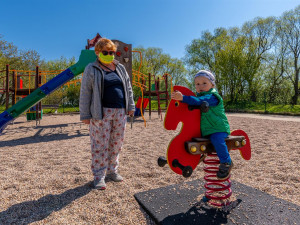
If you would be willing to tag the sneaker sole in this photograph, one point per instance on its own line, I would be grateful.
(114, 180)
(110, 179)
(91, 185)
(220, 178)
(100, 188)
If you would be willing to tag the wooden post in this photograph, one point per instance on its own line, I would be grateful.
(149, 78)
(36, 77)
(158, 95)
(7, 87)
(88, 44)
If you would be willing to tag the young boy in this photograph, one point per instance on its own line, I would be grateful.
(214, 123)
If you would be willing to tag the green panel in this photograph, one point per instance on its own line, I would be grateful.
(153, 87)
(32, 115)
(26, 103)
(86, 57)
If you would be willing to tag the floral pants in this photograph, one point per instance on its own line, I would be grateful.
(107, 136)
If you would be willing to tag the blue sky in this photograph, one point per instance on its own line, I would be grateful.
(56, 28)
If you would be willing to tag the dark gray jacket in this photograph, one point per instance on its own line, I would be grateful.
(91, 92)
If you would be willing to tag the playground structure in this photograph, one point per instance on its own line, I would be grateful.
(24, 83)
(151, 86)
(154, 89)
(188, 149)
(39, 93)
(32, 94)
(17, 84)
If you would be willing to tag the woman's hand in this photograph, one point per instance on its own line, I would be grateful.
(177, 95)
(130, 113)
(86, 121)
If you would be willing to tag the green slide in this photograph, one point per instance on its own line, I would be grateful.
(86, 57)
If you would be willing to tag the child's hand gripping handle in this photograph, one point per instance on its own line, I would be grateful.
(204, 107)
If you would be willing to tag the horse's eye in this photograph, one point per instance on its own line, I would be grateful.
(176, 104)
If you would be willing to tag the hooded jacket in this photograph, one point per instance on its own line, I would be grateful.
(91, 91)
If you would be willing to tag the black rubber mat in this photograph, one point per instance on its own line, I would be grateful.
(181, 204)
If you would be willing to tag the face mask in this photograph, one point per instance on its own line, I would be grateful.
(106, 59)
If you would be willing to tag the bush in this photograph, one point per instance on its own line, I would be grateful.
(54, 98)
(73, 94)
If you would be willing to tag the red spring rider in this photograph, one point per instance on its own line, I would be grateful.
(188, 148)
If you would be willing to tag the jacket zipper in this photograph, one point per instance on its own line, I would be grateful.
(123, 82)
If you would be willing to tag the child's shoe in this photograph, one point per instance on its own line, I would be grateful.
(100, 184)
(115, 177)
(224, 170)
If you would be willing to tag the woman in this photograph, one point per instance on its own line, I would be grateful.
(106, 98)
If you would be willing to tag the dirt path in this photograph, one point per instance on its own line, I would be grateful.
(264, 116)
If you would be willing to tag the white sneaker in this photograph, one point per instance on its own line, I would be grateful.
(115, 177)
(100, 184)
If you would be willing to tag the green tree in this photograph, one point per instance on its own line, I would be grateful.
(200, 54)
(230, 61)
(154, 61)
(17, 59)
(157, 63)
(73, 93)
(58, 64)
(260, 37)
(289, 27)
(176, 68)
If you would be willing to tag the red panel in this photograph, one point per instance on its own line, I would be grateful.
(245, 151)
(145, 103)
(21, 83)
(178, 112)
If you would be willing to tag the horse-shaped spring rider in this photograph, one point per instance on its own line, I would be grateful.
(188, 149)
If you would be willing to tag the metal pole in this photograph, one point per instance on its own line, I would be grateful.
(158, 95)
(14, 87)
(167, 93)
(36, 86)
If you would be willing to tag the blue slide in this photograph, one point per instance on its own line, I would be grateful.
(6, 117)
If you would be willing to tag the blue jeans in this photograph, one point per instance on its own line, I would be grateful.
(218, 141)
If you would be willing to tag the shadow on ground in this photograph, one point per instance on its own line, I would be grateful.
(201, 212)
(60, 134)
(32, 211)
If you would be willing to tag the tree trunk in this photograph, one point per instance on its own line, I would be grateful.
(296, 84)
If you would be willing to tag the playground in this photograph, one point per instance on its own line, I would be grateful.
(45, 169)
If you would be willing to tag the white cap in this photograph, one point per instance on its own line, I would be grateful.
(207, 74)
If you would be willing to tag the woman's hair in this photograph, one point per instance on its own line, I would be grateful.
(105, 43)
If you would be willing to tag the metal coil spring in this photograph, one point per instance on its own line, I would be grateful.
(223, 191)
